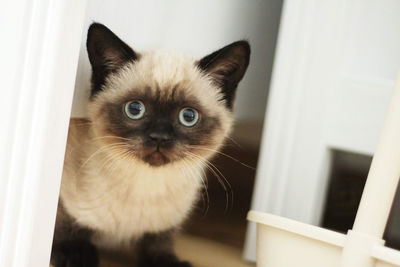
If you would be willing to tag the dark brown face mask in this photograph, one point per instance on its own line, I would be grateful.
(158, 129)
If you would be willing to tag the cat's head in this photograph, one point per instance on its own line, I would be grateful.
(160, 107)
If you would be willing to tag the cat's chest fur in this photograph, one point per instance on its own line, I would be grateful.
(121, 201)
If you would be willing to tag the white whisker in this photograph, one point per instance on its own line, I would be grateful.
(223, 154)
(203, 178)
(219, 176)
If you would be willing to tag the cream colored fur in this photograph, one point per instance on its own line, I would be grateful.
(121, 197)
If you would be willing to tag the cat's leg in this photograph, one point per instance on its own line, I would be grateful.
(156, 250)
(74, 253)
(71, 245)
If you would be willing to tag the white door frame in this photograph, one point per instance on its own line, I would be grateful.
(283, 114)
(315, 45)
(39, 51)
(286, 112)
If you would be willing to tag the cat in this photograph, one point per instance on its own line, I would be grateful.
(133, 170)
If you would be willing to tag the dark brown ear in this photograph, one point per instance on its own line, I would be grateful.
(107, 53)
(227, 67)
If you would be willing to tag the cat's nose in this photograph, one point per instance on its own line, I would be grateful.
(160, 137)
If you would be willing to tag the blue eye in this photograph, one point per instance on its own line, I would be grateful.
(135, 109)
(188, 117)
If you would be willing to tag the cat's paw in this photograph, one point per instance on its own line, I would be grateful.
(178, 264)
(163, 261)
(167, 264)
(74, 254)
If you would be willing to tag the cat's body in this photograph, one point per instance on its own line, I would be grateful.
(107, 195)
(133, 170)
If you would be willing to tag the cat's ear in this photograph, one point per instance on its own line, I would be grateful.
(107, 53)
(227, 67)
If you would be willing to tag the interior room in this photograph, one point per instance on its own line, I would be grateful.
(308, 176)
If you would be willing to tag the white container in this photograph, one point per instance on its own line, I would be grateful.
(286, 243)
(282, 242)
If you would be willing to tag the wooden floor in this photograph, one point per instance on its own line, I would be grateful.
(203, 252)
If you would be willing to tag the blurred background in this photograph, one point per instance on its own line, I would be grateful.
(326, 70)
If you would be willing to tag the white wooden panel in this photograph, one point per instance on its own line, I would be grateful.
(357, 109)
(373, 39)
(293, 156)
(39, 68)
(12, 13)
(370, 61)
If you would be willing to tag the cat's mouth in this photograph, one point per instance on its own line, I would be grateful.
(156, 158)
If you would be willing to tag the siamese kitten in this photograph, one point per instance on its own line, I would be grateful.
(133, 170)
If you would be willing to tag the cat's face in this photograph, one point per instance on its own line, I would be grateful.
(159, 107)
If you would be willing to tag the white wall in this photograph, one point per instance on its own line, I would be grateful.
(194, 27)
